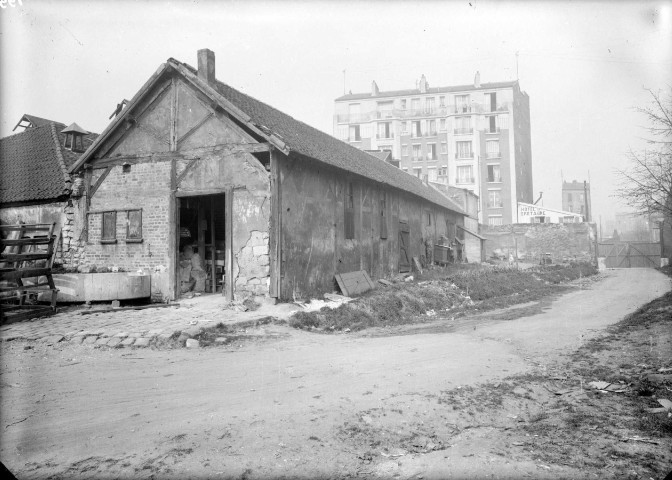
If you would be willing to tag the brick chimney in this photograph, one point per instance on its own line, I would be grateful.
(477, 79)
(374, 89)
(206, 65)
(423, 84)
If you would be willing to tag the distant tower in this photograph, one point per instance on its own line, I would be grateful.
(576, 198)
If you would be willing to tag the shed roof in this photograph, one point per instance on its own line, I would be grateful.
(34, 164)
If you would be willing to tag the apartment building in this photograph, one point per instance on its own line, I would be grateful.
(470, 136)
(576, 198)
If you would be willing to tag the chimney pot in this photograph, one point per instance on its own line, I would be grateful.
(206, 65)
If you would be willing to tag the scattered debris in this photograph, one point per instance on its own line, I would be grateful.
(665, 403)
(637, 438)
(122, 309)
(609, 387)
(387, 283)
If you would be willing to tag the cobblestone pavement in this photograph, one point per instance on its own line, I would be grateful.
(138, 328)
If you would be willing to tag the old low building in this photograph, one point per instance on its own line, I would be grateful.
(35, 186)
(273, 206)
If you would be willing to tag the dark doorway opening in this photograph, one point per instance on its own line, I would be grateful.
(201, 252)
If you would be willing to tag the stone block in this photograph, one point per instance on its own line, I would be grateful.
(102, 341)
(142, 342)
(191, 343)
(128, 341)
(121, 334)
(77, 339)
(183, 337)
(113, 342)
(91, 339)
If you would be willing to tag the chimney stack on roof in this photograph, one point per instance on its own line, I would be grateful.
(374, 89)
(423, 84)
(206, 65)
(477, 79)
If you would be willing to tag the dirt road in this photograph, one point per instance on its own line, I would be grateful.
(291, 404)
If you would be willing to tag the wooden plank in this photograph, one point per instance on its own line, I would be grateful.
(24, 273)
(227, 291)
(26, 241)
(22, 257)
(354, 283)
(416, 264)
(38, 227)
(275, 222)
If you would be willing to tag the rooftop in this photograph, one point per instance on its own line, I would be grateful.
(429, 91)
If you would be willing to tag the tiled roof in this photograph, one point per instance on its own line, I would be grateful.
(383, 155)
(430, 91)
(33, 164)
(34, 121)
(309, 142)
(301, 140)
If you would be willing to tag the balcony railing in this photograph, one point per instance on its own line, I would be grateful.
(384, 114)
(493, 154)
(463, 131)
(465, 180)
(419, 158)
(421, 112)
(464, 108)
(495, 205)
(488, 108)
(492, 130)
(495, 179)
(464, 155)
(383, 136)
(431, 133)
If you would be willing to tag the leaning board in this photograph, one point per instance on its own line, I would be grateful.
(354, 283)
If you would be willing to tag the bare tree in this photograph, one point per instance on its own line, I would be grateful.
(646, 184)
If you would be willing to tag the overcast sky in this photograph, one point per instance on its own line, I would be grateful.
(584, 65)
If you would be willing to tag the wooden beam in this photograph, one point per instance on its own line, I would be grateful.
(184, 172)
(275, 234)
(100, 180)
(172, 140)
(227, 291)
(173, 236)
(198, 125)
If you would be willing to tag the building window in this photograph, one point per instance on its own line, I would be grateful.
(354, 133)
(492, 149)
(462, 104)
(495, 220)
(133, 226)
(417, 172)
(429, 105)
(444, 147)
(442, 124)
(403, 104)
(432, 174)
(491, 126)
(350, 213)
(385, 130)
(431, 151)
(416, 130)
(463, 126)
(109, 231)
(428, 215)
(463, 150)
(442, 101)
(431, 127)
(383, 215)
(404, 150)
(465, 174)
(404, 128)
(490, 102)
(384, 109)
(495, 199)
(494, 174)
(417, 152)
(415, 105)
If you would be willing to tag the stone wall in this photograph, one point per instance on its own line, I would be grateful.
(564, 241)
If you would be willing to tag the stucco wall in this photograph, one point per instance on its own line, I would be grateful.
(565, 242)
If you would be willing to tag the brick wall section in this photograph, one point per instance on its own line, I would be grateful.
(564, 241)
(146, 186)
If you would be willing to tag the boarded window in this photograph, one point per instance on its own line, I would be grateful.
(383, 215)
(134, 226)
(349, 213)
(109, 233)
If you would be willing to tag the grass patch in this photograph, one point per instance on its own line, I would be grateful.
(442, 292)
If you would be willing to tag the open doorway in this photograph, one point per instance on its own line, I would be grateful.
(202, 234)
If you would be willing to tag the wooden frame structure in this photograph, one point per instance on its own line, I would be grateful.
(27, 253)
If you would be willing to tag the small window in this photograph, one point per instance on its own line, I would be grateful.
(134, 226)
(383, 215)
(109, 233)
(350, 213)
(429, 218)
